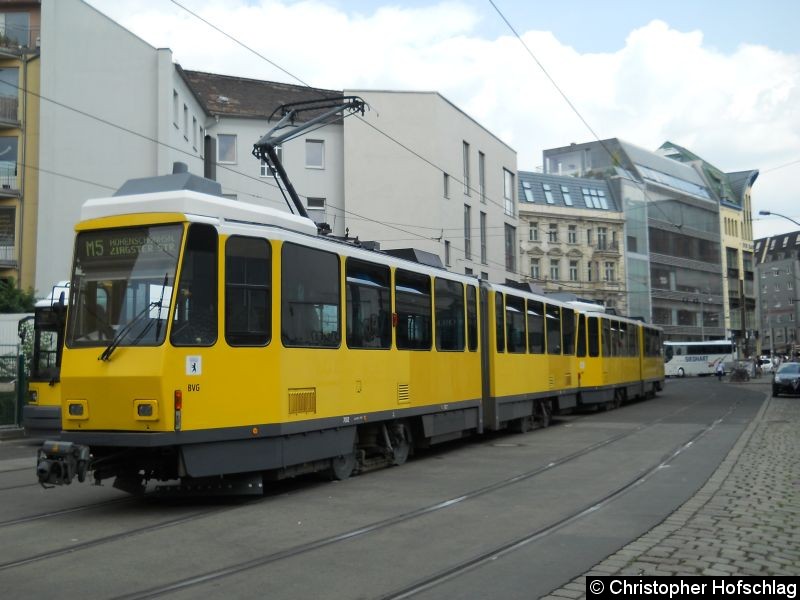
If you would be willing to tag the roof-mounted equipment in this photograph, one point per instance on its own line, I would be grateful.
(285, 129)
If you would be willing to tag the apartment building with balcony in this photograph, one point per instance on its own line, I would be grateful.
(672, 234)
(19, 135)
(571, 238)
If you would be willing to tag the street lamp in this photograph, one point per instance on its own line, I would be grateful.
(767, 213)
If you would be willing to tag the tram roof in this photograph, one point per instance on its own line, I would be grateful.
(195, 204)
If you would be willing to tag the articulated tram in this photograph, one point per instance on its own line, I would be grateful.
(210, 341)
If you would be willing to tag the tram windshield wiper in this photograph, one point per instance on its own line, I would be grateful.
(128, 327)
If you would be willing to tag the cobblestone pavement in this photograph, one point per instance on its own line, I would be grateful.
(744, 521)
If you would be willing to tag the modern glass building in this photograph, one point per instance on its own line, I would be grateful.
(672, 234)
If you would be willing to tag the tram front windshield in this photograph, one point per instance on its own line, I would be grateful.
(122, 283)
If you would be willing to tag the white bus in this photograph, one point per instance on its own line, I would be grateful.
(696, 358)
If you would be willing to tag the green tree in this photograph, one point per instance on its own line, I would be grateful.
(15, 300)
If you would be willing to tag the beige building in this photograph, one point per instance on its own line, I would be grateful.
(571, 238)
(19, 139)
(419, 172)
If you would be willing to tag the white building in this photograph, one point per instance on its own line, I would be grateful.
(238, 110)
(415, 171)
(112, 108)
(419, 172)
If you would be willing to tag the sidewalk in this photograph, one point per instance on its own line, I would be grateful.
(744, 521)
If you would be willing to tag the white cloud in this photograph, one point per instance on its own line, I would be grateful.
(737, 110)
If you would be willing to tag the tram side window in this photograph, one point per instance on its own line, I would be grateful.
(515, 324)
(606, 337)
(368, 305)
(568, 330)
(195, 322)
(593, 337)
(499, 327)
(614, 338)
(535, 327)
(248, 305)
(412, 297)
(449, 314)
(622, 333)
(310, 296)
(472, 318)
(581, 337)
(553, 320)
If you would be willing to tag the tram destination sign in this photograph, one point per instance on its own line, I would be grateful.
(128, 244)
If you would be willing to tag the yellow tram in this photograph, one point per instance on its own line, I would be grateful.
(208, 338)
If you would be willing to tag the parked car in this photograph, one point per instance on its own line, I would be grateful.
(765, 364)
(786, 379)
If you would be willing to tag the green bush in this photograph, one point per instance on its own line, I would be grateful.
(15, 300)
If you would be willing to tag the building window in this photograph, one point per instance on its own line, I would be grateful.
(554, 264)
(316, 210)
(15, 28)
(465, 151)
(602, 234)
(573, 270)
(484, 260)
(589, 236)
(315, 154)
(176, 106)
(446, 185)
(535, 273)
(511, 254)
(186, 122)
(572, 234)
(567, 197)
(467, 233)
(533, 232)
(526, 189)
(610, 272)
(548, 193)
(266, 169)
(226, 148)
(194, 132)
(447, 253)
(552, 233)
(508, 191)
(482, 176)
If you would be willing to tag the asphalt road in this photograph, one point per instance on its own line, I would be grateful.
(503, 516)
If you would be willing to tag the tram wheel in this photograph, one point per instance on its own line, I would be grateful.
(342, 467)
(400, 437)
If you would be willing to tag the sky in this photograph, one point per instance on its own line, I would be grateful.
(721, 78)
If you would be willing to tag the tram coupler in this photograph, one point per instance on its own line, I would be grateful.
(58, 463)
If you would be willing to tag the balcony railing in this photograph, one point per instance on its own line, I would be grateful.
(9, 180)
(9, 109)
(16, 37)
(8, 254)
(606, 247)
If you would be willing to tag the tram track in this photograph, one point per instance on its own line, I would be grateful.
(377, 526)
(514, 545)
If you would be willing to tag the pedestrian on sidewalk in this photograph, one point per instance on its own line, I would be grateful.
(720, 371)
